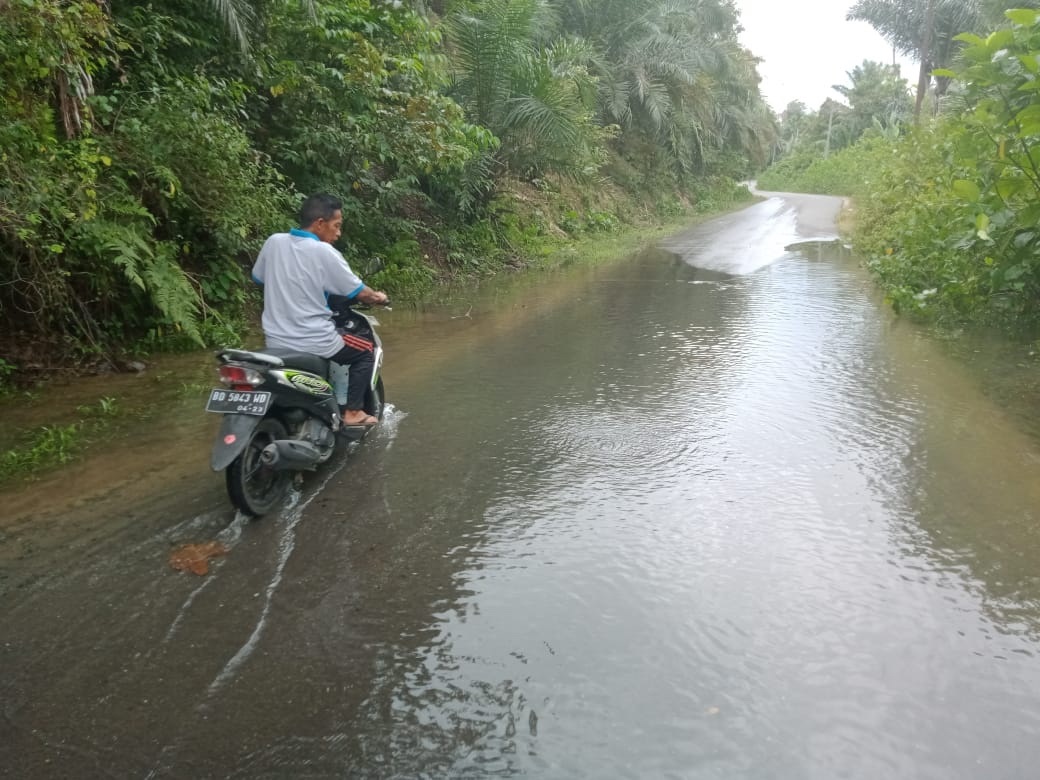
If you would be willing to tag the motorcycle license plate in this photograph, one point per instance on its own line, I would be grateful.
(238, 401)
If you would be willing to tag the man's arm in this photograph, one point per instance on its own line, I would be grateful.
(348, 283)
(260, 265)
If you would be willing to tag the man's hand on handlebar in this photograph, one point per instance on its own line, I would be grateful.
(373, 297)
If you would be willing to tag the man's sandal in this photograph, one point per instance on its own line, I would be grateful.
(368, 421)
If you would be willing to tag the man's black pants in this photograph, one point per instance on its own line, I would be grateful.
(359, 356)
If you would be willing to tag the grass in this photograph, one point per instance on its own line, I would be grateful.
(52, 445)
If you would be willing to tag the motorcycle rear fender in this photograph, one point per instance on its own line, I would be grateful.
(232, 438)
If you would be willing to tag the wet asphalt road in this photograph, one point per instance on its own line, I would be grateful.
(708, 512)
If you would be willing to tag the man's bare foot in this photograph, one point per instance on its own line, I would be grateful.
(355, 417)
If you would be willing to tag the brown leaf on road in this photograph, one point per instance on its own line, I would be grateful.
(195, 557)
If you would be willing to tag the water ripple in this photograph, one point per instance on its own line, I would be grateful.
(705, 558)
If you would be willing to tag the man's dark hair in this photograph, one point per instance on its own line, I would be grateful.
(318, 206)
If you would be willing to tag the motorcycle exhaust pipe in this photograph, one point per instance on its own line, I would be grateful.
(290, 455)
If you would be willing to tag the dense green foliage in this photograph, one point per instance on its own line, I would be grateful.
(948, 214)
(877, 101)
(149, 148)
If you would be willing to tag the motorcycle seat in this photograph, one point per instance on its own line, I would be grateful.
(302, 361)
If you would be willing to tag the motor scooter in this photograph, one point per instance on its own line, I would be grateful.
(282, 414)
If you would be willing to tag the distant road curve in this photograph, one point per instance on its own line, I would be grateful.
(744, 241)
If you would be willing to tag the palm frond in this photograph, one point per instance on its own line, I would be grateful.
(236, 16)
(618, 101)
(546, 119)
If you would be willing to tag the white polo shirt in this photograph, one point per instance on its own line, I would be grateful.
(297, 271)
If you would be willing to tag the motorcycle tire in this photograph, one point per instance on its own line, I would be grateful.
(253, 488)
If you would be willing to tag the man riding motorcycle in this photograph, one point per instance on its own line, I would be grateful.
(298, 271)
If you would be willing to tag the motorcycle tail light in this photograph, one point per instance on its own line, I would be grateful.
(239, 377)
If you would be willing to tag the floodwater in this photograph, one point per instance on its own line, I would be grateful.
(707, 512)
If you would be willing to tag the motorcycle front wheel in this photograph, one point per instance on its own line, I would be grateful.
(253, 487)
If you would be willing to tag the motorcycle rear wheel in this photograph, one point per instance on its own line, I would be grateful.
(253, 487)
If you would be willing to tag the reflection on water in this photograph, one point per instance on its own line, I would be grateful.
(648, 521)
(719, 526)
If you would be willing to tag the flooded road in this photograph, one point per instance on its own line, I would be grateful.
(709, 512)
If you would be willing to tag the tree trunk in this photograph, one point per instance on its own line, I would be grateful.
(924, 77)
(830, 126)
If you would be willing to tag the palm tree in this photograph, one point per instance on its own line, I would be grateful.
(513, 75)
(923, 29)
(673, 71)
(876, 93)
(670, 74)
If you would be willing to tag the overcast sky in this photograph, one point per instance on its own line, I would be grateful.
(807, 47)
